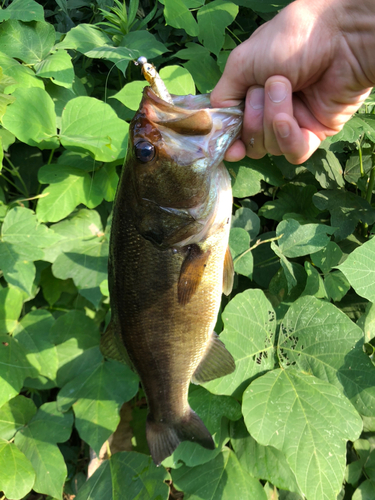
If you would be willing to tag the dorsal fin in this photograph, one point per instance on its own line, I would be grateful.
(228, 273)
(191, 273)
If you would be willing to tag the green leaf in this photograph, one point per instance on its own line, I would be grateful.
(57, 66)
(10, 308)
(213, 19)
(249, 328)
(128, 472)
(352, 167)
(97, 395)
(88, 124)
(29, 42)
(336, 285)
(5, 100)
(17, 474)
(221, 478)
(326, 168)
(367, 322)
(248, 220)
(24, 77)
(23, 10)
(204, 70)
(296, 240)
(365, 491)
(15, 414)
(359, 269)
(314, 283)
(105, 181)
(328, 257)
(143, 43)
(178, 15)
(33, 333)
(118, 55)
(84, 38)
(288, 271)
(346, 208)
(31, 118)
(14, 368)
(69, 187)
(131, 94)
(351, 130)
(178, 80)
(239, 241)
(308, 420)
(321, 340)
(38, 442)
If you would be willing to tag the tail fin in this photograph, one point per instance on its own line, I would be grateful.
(164, 437)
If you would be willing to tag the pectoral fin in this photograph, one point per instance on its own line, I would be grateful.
(112, 347)
(228, 274)
(216, 362)
(191, 273)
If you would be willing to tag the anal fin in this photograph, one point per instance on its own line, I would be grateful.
(228, 274)
(191, 273)
(111, 345)
(216, 362)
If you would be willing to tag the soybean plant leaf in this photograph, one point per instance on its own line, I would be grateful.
(296, 240)
(287, 267)
(29, 42)
(105, 181)
(326, 168)
(249, 328)
(38, 442)
(23, 10)
(5, 99)
(57, 66)
(178, 15)
(314, 283)
(97, 395)
(17, 473)
(350, 132)
(90, 124)
(367, 322)
(365, 490)
(23, 76)
(309, 420)
(263, 462)
(68, 188)
(144, 43)
(33, 333)
(319, 339)
(213, 19)
(336, 285)
(32, 119)
(10, 308)
(346, 208)
(130, 472)
(191, 51)
(353, 168)
(14, 368)
(328, 257)
(239, 241)
(222, 477)
(15, 414)
(84, 38)
(178, 80)
(205, 71)
(248, 220)
(291, 198)
(131, 94)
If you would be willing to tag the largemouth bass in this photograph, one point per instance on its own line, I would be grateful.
(169, 259)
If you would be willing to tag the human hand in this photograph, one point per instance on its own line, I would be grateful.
(302, 74)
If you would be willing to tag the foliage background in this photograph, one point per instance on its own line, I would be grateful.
(297, 418)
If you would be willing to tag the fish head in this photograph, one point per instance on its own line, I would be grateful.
(175, 148)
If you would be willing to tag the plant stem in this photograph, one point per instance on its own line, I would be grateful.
(256, 244)
(15, 173)
(371, 182)
(50, 157)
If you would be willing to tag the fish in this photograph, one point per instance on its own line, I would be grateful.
(169, 259)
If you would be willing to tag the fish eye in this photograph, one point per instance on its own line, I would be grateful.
(144, 151)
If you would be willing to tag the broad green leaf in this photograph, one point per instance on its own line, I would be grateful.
(23, 10)
(351, 130)
(352, 167)
(336, 285)
(178, 15)
(222, 478)
(204, 70)
(291, 198)
(369, 127)
(365, 491)
(31, 118)
(29, 42)
(131, 94)
(245, 181)
(24, 77)
(328, 257)
(213, 19)
(33, 333)
(367, 322)
(191, 51)
(57, 66)
(14, 368)
(38, 442)
(296, 240)
(5, 99)
(15, 414)
(97, 395)
(309, 420)
(17, 474)
(319, 339)
(120, 56)
(314, 283)
(10, 308)
(69, 187)
(346, 208)
(105, 181)
(84, 38)
(248, 220)
(141, 43)
(326, 168)
(88, 124)
(359, 269)
(239, 242)
(130, 472)
(263, 462)
(178, 80)
(249, 328)
(287, 268)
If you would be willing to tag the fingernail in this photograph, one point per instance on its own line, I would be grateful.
(277, 92)
(283, 129)
(256, 98)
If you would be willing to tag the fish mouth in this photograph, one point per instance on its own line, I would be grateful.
(192, 124)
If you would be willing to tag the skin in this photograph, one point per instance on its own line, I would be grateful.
(302, 75)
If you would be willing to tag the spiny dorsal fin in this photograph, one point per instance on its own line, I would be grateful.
(191, 273)
(228, 274)
(216, 362)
